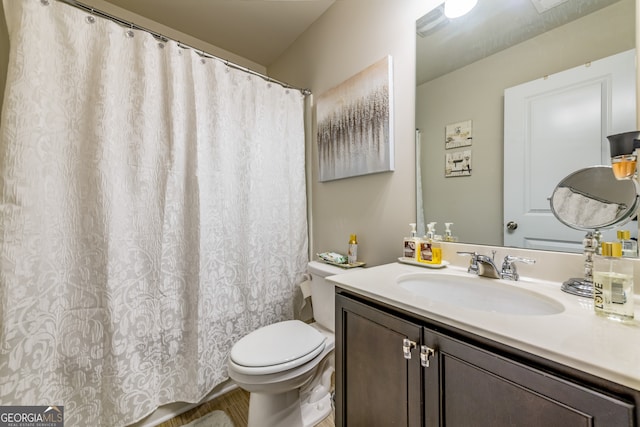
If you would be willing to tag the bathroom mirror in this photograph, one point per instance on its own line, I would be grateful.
(463, 69)
(592, 199)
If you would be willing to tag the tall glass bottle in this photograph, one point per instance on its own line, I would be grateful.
(613, 283)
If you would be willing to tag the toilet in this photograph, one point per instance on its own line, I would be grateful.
(287, 366)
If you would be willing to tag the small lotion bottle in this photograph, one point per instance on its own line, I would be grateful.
(352, 256)
(629, 247)
(613, 283)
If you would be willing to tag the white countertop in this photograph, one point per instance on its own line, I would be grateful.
(577, 337)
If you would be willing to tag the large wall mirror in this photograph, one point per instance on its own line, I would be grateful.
(464, 66)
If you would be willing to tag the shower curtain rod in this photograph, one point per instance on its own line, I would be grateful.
(165, 39)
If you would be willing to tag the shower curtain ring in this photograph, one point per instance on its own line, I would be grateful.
(90, 18)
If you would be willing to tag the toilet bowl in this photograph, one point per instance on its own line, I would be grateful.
(287, 366)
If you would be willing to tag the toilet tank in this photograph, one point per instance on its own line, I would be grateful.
(323, 293)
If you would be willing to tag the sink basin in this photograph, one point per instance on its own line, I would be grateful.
(479, 293)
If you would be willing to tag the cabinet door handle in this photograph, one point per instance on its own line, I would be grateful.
(407, 346)
(425, 354)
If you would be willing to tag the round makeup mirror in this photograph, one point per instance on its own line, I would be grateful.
(592, 199)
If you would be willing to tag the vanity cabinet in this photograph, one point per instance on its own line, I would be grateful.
(396, 370)
(375, 384)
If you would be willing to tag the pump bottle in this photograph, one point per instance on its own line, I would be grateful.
(411, 244)
(448, 237)
(430, 251)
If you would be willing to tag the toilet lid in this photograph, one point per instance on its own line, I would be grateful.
(280, 343)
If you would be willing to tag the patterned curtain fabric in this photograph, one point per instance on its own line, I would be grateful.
(152, 212)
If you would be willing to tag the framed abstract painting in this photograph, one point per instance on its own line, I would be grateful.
(355, 118)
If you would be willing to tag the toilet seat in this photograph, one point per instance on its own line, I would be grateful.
(276, 348)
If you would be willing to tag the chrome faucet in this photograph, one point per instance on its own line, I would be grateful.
(484, 265)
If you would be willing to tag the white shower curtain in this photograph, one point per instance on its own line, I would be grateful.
(152, 212)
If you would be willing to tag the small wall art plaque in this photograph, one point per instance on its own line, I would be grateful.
(457, 163)
(458, 134)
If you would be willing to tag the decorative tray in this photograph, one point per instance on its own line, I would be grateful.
(345, 266)
(412, 261)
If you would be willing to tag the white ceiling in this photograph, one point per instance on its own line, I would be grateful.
(261, 30)
(258, 30)
(493, 25)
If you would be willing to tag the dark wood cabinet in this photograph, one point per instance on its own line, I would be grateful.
(375, 382)
(382, 378)
(474, 386)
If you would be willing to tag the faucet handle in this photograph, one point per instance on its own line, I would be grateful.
(472, 254)
(473, 265)
(509, 270)
(511, 259)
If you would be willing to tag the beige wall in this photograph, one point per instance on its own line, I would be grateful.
(349, 37)
(480, 86)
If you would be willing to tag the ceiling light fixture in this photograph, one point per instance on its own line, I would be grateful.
(431, 22)
(544, 5)
(457, 8)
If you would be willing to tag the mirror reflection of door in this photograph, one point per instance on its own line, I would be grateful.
(554, 126)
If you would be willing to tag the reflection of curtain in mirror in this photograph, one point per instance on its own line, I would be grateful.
(420, 207)
(584, 210)
(153, 211)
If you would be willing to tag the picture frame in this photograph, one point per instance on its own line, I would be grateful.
(458, 134)
(355, 125)
(457, 163)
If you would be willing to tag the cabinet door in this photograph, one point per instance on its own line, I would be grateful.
(466, 386)
(375, 384)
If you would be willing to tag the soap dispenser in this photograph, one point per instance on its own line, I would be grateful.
(447, 233)
(431, 231)
(410, 244)
(430, 251)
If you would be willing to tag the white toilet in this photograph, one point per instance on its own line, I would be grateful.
(287, 366)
